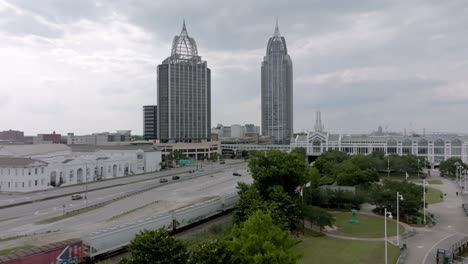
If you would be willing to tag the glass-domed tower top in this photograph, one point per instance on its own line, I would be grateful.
(183, 46)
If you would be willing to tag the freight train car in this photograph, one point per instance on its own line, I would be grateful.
(64, 252)
(117, 237)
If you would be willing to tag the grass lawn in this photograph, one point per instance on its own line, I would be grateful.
(328, 250)
(369, 226)
(430, 181)
(433, 196)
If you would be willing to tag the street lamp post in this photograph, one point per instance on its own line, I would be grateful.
(388, 167)
(389, 214)
(418, 168)
(399, 197)
(424, 200)
(464, 188)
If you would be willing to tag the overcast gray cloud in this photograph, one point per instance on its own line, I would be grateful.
(87, 66)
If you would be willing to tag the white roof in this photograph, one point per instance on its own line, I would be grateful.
(31, 150)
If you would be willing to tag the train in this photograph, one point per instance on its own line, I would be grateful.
(106, 242)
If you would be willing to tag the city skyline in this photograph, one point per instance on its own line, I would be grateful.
(76, 67)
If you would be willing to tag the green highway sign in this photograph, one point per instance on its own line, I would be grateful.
(185, 161)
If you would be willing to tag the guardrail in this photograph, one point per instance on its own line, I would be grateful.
(448, 255)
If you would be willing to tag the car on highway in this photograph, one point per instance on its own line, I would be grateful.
(222, 162)
(236, 174)
(77, 197)
(191, 171)
(163, 180)
(175, 177)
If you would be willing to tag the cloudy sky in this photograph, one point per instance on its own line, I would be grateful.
(89, 65)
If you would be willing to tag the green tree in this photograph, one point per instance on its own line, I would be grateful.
(357, 177)
(277, 168)
(212, 252)
(300, 152)
(384, 196)
(448, 167)
(325, 162)
(156, 247)
(260, 241)
(250, 201)
(313, 176)
(285, 210)
(319, 217)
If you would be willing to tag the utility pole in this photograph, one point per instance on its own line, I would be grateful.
(424, 200)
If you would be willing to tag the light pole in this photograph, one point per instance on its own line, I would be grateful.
(389, 214)
(398, 198)
(464, 188)
(424, 200)
(388, 167)
(456, 171)
(418, 167)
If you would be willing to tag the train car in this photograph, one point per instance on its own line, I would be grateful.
(118, 237)
(197, 212)
(229, 200)
(64, 252)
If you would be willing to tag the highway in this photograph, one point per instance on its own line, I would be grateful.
(17, 198)
(22, 220)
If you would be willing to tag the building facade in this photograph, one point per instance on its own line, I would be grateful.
(184, 94)
(434, 148)
(26, 168)
(48, 139)
(150, 122)
(12, 135)
(100, 138)
(277, 91)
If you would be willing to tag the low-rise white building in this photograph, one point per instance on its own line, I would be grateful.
(26, 168)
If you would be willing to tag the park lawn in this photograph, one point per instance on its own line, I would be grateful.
(328, 250)
(430, 181)
(433, 196)
(369, 226)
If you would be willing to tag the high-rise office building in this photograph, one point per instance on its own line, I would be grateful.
(277, 90)
(184, 94)
(150, 122)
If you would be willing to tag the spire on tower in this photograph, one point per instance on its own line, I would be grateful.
(277, 33)
(184, 29)
(318, 127)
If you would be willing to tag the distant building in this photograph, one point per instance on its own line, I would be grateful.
(26, 168)
(12, 135)
(194, 151)
(99, 138)
(48, 139)
(277, 90)
(150, 122)
(184, 94)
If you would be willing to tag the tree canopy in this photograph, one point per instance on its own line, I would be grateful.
(448, 167)
(384, 196)
(211, 252)
(277, 168)
(259, 241)
(156, 247)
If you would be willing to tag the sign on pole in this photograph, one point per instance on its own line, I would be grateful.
(185, 162)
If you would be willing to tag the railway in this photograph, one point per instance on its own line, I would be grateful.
(109, 242)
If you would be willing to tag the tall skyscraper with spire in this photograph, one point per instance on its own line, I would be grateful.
(184, 94)
(277, 90)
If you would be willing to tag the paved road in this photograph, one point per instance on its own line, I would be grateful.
(451, 226)
(14, 220)
(11, 199)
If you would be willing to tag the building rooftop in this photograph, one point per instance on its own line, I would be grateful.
(17, 161)
(31, 150)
